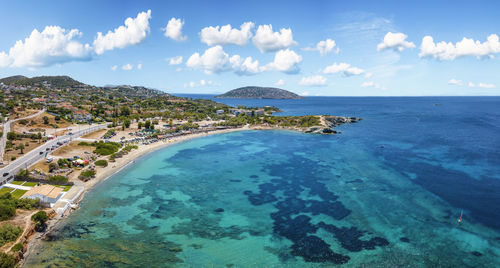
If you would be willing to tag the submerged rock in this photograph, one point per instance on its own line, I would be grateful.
(404, 239)
(219, 210)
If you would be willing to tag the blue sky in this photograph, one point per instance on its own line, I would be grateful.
(332, 48)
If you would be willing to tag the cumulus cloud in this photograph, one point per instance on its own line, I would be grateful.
(315, 80)
(373, 84)
(344, 68)
(285, 61)
(395, 41)
(268, 41)
(481, 85)
(226, 35)
(280, 82)
(455, 82)
(201, 83)
(324, 47)
(174, 60)
(464, 48)
(51, 46)
(213, 60)
(132, 33)
(114, 67)
(174, 29)
(245, 67)
(127, 67)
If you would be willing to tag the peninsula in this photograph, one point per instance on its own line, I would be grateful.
(253, 92)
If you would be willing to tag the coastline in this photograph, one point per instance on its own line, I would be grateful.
(103, 173)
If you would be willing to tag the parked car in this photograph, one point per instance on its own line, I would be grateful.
(6, 174)
(41, 152)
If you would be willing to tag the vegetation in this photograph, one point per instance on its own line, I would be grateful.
(9, 204)
(58, 179)
(17, 247)
(86, 175)
(9, 233)
(101, 163)
(106, 148)
(40, 218)
(259, 93)
(7, 260)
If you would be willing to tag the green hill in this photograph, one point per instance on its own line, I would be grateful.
(252, 92)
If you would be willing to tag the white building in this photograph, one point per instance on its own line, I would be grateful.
(46, 193)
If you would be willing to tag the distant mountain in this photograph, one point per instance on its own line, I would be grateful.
(10, 79)
(54, 81)
(252, 92)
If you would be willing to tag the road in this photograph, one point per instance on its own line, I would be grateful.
(34, 155)
(6, 129)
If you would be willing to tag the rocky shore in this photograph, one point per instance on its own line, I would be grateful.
(328, 124)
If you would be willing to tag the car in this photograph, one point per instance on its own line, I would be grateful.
(47, 149)
(5, 174)
(41, 152)
(70, 133)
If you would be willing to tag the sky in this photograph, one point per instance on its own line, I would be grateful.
(313, 48)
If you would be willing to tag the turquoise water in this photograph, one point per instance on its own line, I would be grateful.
(365, 198)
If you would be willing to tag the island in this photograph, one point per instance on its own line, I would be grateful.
(253, 92)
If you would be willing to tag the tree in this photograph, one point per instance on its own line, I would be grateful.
(139, 125)
(23, 174)
(126, 123)
(40, 218)
(21, 147)
(7, 260)
(11, 136)
(45, 120)
(125, 111)
(147, 124)
(52, 167)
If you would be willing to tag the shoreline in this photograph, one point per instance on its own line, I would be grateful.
(103, 173)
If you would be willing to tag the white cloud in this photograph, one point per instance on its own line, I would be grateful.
(324, 47)
(226, 35)
(127, 67)
(395, 41)
(174, 29)
(373, 84)
(213, 60)
(51, 46)
(174, 60)
(133, 33)
(285, 61)
(315, 80)
(201, 83)
(344, 68)
(114, 67)
(455, 82)
(280, 82)
(481, 85)
(139, 66)
(268, 41)
(466, 47)
(245, 67)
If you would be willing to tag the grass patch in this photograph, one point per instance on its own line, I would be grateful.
(5, 190)
(66, 187)
(30, 184)
(18, 193)
(17, 182)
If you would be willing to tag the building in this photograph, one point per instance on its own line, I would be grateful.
(219, 112)
(47, 194)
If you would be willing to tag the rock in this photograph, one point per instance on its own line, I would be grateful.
(477, 254)
(175, 249)
(404, 239)
(219, 210)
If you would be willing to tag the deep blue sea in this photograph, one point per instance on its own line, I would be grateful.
(386, 192)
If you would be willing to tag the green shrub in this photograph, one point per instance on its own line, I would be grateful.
(7, 260)
(6, 211)
(40, 218)
(83, 143)
(106, 148)
(9, 233)
(58, 179)
(17, 247)
(101, 163)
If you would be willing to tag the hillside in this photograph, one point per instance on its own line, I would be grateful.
(47, 81)
(252, 92)
(10, 79)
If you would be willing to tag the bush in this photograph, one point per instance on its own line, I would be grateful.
(7, 260)
(9, 233)
(106, 148)
(101, 163)
(13, 158)
(6, 211)
(40, 218)
(83, 143)
(17, 247)
(58, 179)
(86, 175)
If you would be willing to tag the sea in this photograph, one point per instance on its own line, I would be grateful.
(416, 183)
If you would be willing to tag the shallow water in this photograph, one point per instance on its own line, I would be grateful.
(386, 192)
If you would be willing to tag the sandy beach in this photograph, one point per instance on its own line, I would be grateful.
(102, 173)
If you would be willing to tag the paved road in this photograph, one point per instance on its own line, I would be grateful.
(6, 129)
(34, 155)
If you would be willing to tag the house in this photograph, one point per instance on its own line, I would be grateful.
(47, 194)
(82, 115)
(219, 112)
